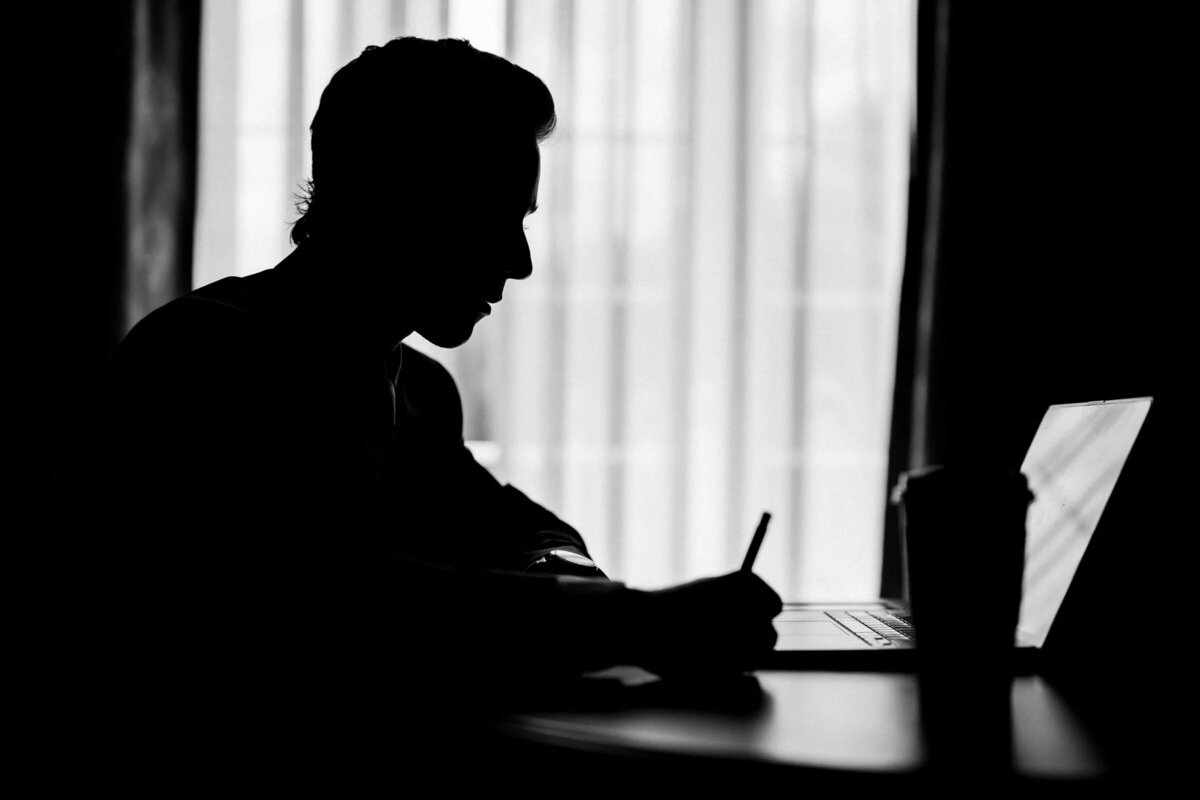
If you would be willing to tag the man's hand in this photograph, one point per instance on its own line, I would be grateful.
(711, 625)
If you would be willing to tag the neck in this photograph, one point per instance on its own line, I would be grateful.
(336, 279)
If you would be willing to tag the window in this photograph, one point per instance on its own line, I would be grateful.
(710, 327)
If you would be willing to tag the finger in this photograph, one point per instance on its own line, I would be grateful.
(765, 600)
(776, 605)
(742, 637)
(770, 637)
(772, 601)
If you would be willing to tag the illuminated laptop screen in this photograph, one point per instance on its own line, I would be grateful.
(1072, 466)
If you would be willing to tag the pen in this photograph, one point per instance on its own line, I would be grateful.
(756, 542)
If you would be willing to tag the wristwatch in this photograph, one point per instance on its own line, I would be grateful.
(565, 562)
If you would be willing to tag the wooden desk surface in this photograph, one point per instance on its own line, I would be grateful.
(860, 722)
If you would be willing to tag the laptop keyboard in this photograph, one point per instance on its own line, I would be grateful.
(876, 628)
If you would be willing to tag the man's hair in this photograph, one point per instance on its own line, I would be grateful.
(393, 119)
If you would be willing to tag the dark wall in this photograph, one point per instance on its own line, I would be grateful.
(66, 118)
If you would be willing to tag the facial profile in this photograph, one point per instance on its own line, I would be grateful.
(473, 243)
(425, 164)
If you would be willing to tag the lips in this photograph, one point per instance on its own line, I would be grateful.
(487, 298)
(486, 301)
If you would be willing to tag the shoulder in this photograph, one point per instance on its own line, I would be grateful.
(212, 339)
(220, 318)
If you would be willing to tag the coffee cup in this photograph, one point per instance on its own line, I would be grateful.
(963, 533)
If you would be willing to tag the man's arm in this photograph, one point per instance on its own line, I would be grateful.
(515, 532)
(241, 576)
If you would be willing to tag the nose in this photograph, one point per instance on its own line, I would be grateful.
(520, 264)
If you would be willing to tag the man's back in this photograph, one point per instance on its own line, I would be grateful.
(253, 439)
(258, 399)
(235, 398)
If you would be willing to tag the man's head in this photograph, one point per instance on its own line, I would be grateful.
(425, 163)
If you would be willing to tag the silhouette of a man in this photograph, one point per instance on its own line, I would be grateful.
(295, 509)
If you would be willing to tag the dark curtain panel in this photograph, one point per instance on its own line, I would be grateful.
(920, 267)
(160, 170)
(1045, 234)
(1048, 254)
(114, 98)
(956, 391)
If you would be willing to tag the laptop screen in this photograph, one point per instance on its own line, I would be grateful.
(1072, 466)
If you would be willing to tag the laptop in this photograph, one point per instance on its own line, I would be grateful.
(1072, 464)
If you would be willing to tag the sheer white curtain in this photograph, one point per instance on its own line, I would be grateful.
(710, 327)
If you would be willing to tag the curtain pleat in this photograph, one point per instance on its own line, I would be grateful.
(107, 176)
(908, 446)
(160, 173)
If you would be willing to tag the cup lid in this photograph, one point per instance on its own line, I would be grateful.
(962, 476)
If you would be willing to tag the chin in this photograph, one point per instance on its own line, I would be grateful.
(448, 335)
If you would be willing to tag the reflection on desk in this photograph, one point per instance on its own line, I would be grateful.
(858, 722)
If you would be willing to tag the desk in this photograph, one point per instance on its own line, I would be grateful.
(837, 724)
